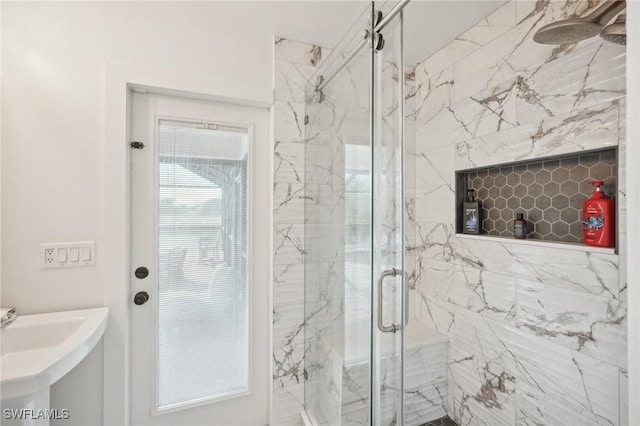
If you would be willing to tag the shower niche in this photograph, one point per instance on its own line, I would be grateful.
(549, 192)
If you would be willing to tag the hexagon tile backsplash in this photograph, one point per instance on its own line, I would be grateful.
(550, 194)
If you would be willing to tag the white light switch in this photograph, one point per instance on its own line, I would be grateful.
(62, 255)
(86, 254)
(74, 254)
(59, 255)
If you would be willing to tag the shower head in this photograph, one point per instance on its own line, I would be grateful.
(567, 31)
(616, 32)
(574, 30)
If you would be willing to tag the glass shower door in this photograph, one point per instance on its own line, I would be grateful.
(389, 292)
(354, 295)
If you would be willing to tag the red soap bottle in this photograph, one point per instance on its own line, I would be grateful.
(599, 219)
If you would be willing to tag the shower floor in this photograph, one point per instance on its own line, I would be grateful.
(444, 421)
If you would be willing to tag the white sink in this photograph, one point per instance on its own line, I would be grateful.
(37, 350)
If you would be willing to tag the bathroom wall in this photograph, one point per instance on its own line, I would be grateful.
(537, 331)
(53, 161)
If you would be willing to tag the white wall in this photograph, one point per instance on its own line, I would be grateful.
(53, 57)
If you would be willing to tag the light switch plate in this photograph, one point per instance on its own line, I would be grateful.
(51, 259)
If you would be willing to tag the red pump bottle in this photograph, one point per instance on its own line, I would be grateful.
(599, 219)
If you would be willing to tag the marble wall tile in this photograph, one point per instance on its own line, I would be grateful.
(324, 203)
(288, 202)
(436, 314)
(592, 325)
(288, 244)
(591, 128)
(288, 344)
(434, 89)
(299, 53)
(489, 111)
(288, 121)
(479, 393)
(286, 404)
(489, 294)
(495, 24)
(291, 81)
(440, 129)
(550, 327)
(436, 241)
(288, 163)
(578, 270)
(288, 283)
(514, 52)
(325, 165)
(436, 167)
(435, 203)
(559, 386)
(592, 74)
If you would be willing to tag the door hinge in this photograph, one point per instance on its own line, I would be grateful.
(306, 119)
(137, 145)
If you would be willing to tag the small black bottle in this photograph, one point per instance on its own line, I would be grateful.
(471, 214)
(520, 227)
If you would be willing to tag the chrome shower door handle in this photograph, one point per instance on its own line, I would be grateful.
(393, 327)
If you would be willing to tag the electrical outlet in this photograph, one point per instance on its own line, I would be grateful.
(49, 256)
(68, 255)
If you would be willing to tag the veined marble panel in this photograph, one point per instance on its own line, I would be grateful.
(489, 294)
(591, 128)
(288, 202)
(288, 121)
(477, 36)
(436, 314)
(480, 392)
(288, 162)
(558, 386)
(349, 90)
(288, 344)
(288, 243)
(435, 241)
(434, 89)
(593, 74)
(436, 167)
(332, 126)
(489, 111)
(589, 272)
(288, 283)
(324, 281)
(299, 53)
(440, 129)
(593, 325)
(435, 203)
(325, 203)
(286, 404)
(291, 81)
(324, 242)
(514, 52)
(482, 337)
(325, 165)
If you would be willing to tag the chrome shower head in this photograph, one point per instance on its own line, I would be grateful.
(573, 30)
(616, 32)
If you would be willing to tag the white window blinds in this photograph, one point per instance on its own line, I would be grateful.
(202, 258)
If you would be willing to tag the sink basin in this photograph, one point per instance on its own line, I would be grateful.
(37, 350)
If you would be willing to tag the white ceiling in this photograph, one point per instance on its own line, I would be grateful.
(429, 25)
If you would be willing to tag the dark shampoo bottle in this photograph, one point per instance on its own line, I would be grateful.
(520, 227)
(471, 214)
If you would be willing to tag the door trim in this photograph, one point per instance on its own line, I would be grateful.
(115, 252)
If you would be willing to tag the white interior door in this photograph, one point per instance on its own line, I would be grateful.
(199, 243)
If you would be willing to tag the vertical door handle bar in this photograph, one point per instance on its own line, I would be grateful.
(393, 327)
